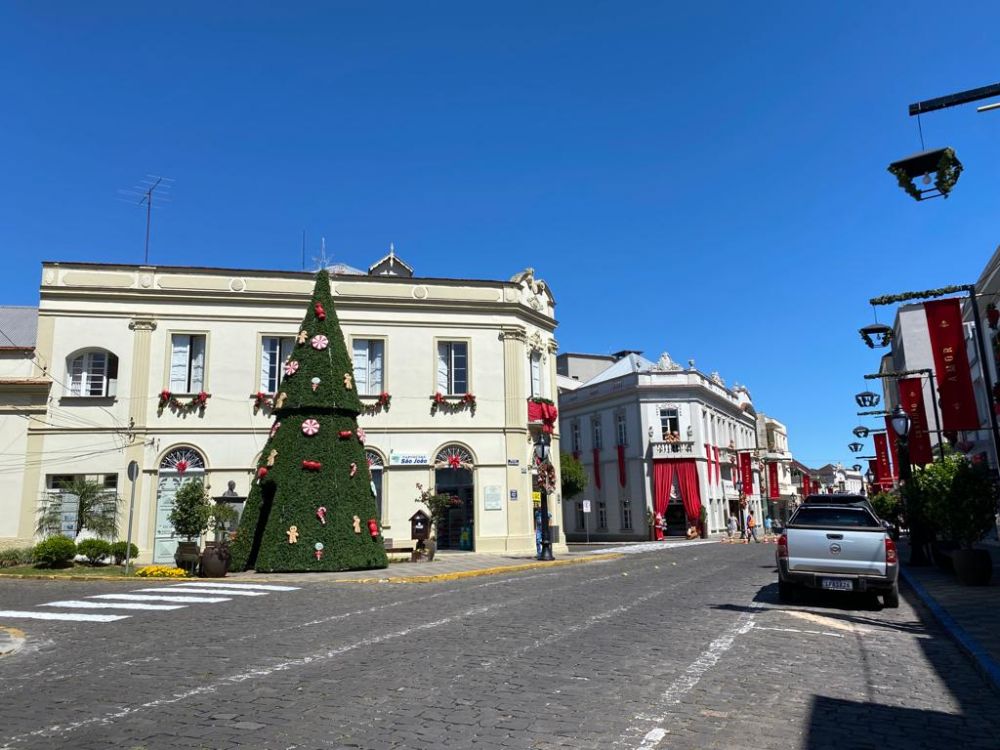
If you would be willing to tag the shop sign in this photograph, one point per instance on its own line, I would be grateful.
(408, 459)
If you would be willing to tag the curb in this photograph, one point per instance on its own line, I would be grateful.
(486, 571)
(11, 641)
(43, 577)
(983, 662)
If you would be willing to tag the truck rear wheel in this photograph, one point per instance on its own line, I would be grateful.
(891, 598)
(786, 591)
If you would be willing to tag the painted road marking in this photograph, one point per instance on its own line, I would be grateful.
(111, 605)
(60, 616)
(153, 598)
(634, 549)
(258, 586)
(215, 591)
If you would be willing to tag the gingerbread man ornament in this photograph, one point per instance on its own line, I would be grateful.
(293, 534)
(302, 337)
(271, 456)
(347, 381)
(357, 525)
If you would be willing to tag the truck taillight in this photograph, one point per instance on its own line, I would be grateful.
(783, 545)
(890, 551)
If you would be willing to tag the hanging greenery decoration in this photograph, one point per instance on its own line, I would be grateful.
(891, 299)
(440, 402)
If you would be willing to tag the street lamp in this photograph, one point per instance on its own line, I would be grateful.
(867, 399)
(900, 422)
(861, 431)
(855, 447)
(542, 457)
(876, 335)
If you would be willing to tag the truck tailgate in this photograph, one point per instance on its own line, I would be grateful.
(845, 551)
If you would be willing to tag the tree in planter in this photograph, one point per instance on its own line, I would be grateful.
(312, 505)
(97, 509)
(888, 507)
(967, 510)
(437, 506)
(192, 510)
(573, 478)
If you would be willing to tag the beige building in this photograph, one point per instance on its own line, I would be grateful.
(113, 337)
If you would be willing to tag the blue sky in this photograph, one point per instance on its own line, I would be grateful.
(704, 178)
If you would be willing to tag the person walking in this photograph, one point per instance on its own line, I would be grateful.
(752, 528)
(538, 533)
(767, 527)
(731, 526)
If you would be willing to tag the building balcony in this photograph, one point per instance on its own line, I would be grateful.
(673, 449)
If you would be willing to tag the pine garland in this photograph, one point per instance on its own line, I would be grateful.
(891, 299)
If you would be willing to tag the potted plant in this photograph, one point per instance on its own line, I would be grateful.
(215, 558)
(966, 513)
(190, 518)
(437, 508)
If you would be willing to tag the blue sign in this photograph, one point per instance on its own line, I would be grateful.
(513, 494)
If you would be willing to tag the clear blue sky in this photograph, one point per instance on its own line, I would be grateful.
(704, 178)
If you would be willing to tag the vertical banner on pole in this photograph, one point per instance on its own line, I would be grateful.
(773, 491)
(911, 397)
(746, 474)
(951, 364)
(884, 470)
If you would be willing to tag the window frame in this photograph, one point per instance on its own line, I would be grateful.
(280, 372)
(602, 515)
(535, 367)
(168, 384)
(384, 387)
(575, 438)
(109, 384)
(626, 511)
(665, 420)
(450, 340)
(596, 433)
(621, 428)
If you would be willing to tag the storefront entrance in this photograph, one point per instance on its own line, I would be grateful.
(453, 476)
(177, 467)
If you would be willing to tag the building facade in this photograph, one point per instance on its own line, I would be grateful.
(656, 436)
(116, 340)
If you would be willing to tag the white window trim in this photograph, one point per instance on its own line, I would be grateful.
(383, 386)
(109, 385)
(168, 382)
(450, 375)
(280, 374)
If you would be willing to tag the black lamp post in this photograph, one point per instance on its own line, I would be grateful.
(861, 431)
(867, 399)
(900, 422)
(542, 454)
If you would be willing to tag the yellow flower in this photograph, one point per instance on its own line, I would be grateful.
(161, 571)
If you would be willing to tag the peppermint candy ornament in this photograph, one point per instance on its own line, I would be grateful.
(319, 341)
(310, 427)
(361, 435)
(291, 367)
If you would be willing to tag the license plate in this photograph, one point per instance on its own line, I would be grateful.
(837, 584)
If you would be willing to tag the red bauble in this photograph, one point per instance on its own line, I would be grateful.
(261, 472)
(320, 312)
(345, 434)
(312, 465)
(373, 527)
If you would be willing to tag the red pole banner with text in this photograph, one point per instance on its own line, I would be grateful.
(621, 465)
(597, 468)
(911, 397)
(883, 469)
(951, 365)
(773, 491)
(746, 474)
(893, 448)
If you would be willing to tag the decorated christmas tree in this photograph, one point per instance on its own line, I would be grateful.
(312, 502)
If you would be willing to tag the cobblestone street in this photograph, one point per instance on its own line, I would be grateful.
(674, 648)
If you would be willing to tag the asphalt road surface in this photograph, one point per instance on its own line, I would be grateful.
(676, 648)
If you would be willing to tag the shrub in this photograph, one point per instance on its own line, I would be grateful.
(118, 552)
(55, 552)
(94, 550)
(192, 510)
(16, 556)
(161, 571)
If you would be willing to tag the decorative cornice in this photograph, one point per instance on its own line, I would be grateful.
(142, 325)
(517, 334)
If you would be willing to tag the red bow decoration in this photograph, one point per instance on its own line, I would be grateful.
(345, 434)
(373, 527)
(439, 398)
(261, 472)
(320, 312)
(181, 466)
(312, 465)
(454, 461)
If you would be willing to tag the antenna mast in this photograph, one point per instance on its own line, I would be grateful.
(144, 191)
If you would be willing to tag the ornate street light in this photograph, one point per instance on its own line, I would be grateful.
(856, 467)
(542, 455)
(900, 421)
(861, 431)
(867, 399)
(876, 335)
(856, 447)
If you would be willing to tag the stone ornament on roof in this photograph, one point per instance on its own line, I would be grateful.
(533, 291)
(665, 364)
(716, 378)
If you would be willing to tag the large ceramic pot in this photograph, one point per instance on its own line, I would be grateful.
(187, 555)
(942, 552)
(974, 567)
(214, 562)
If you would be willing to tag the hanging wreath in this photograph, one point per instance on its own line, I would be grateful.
(440, 402)
(382, 404)
(196, 403)
(547, 477)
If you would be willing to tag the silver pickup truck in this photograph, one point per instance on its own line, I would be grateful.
(837, 547)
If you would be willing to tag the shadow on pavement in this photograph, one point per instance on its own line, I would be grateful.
(836, 723)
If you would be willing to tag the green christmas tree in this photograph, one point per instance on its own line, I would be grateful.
(312, 501)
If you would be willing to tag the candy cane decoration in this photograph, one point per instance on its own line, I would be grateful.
(321, 514)
(354, 468)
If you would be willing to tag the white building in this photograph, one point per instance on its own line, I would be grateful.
(638, 421)
(111, 338)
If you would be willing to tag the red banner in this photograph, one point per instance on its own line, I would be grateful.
(893, 448)
(883, 469)
(911, 397)
(597, 468)
(746, 474)
(806, 486)
(621, 465)
(951, 365)
(773, 491)
(718, 464)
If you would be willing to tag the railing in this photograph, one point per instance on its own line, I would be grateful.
(673, 449)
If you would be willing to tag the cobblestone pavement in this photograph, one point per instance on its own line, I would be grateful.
(674, 648)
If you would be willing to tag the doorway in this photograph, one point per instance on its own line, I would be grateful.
(453, 476)
(178, 466)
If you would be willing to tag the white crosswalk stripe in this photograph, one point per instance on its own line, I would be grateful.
(73, 616)
(157, 598)
(208, 590)
(80, 604)
(249, 586)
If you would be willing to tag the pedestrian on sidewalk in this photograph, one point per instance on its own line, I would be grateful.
(538, 533)
(767, 527)
(730, 527)
(752, 528)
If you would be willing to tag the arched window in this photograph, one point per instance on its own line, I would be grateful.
(376, 464)
(453, 457)
(181, 460)
(92, 373)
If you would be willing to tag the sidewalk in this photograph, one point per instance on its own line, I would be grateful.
(970, 614)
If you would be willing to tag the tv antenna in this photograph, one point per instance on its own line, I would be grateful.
(144, 192)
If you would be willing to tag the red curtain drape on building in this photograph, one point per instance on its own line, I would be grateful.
(621, 465)
(893, 447)
(663, 480)
(687, 478)
(597, 468)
